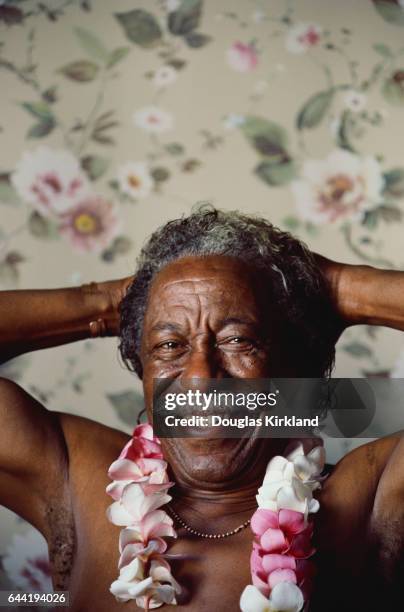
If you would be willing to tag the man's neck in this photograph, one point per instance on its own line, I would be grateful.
(208, 503)
(198, 501)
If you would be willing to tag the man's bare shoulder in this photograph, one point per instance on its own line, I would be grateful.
(89, 441)
(373, 456)
(359, 474)
(365, 492)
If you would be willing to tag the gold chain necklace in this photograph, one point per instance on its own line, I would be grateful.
(206, 535)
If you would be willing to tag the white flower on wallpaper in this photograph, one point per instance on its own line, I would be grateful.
(338, 187)
(164, 76)
(354, 100)
(302, 36)
(91, 225)
(153, 119)
(50, 180)
(242, 57)
(134, 179)
(26, 562)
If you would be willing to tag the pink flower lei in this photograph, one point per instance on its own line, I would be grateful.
(280, 569)
(139, 488)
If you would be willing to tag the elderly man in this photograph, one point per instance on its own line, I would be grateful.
(215, 295)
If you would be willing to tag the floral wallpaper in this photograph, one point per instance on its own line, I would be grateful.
(116, 117)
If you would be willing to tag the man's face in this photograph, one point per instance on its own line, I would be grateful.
(209, 317)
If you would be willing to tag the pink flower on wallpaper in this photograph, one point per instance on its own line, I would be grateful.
(164, 76)
(242, 57)
(91, 224)
(302, 37)
(52, 181)
(26, 562)
(153, 119)
(340, 187)
(355, 101)
(135, 180)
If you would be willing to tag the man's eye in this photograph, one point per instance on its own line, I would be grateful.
(239, 342)
(169, 350)
(170, 345)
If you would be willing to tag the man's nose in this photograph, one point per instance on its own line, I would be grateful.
(202, 365)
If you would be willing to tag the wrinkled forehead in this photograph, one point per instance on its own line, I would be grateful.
(214, 280)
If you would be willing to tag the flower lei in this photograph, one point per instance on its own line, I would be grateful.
(281, 572)
(139, 488)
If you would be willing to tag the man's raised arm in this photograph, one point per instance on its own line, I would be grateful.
(363, 295)
(33, 455)
(40, 318)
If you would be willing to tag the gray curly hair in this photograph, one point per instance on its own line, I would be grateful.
(293, 275)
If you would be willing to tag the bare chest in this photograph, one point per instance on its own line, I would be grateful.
(212, 574)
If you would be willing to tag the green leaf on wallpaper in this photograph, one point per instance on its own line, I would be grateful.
(346, 131)
(312, 229)
(314, 110)
(140, 27)
(394, 183)
(81, 71)
(101, 138)
(50, 94)
(120, 246)
(291, 223)
(357, 349)
(127, 405)
(9, 275)
(9, 270)
(78, 381)
(268, 138)
(176, 63)
(174, 148)
(94, 166)
(384, 212)
(117, 55)
(376, 374)
(393, 88)
(8, 194)
(383, 50)
(390, 11)
(41, 129)
(370, 219)
(191, 164)
(105, 122)
(186, 18)
(41, 227)
(92, 45)
(195, 40)
(40, 110)
(275, 174)
(160, 174)
(390, 213)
